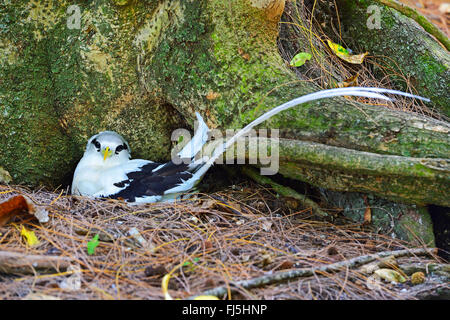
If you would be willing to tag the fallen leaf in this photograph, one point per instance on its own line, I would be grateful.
(390, 275)
(367, 213)
(388, 262)
(246, 56)
(370, 268)
(207, 245)
(11, 207)
(299, 59)
(373, 282)
(208, 204)
(266, 225)
(285, 265)
(350, 82)
(21, 205)
(5, 177)
(139, 239)
(206, 298)
(243, 54)
(92, 244)
(291, 203)
(29, 236)
(266, 259)
(345, 55)
(212, 95)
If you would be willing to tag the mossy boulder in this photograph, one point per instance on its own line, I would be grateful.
(60, 85)
(143, 67)
(402, 221)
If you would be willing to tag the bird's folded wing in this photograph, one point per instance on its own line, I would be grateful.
(146, 181)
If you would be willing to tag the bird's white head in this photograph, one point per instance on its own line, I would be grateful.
(108, 148)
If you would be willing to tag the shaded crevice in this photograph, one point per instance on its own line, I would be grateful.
(441, 227)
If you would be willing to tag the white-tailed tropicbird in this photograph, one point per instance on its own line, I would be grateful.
(106, 171)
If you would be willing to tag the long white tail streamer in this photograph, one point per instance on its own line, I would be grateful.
(368, 92)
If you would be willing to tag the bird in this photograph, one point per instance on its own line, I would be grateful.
(106, 169)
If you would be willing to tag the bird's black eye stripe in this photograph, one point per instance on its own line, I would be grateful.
(97, 144)
(121, 147)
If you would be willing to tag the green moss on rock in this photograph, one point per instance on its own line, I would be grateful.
(416, 226)
(407, 222)
(34, 149)
(64, 85)
(411, 51)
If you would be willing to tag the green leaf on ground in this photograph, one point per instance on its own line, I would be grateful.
(91, 245)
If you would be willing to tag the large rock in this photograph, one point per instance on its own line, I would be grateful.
(397, 220)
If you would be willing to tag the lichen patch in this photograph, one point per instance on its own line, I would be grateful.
(8, 52)
(166, 13)
(41, 14)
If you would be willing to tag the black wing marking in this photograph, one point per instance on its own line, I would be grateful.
(150, 182)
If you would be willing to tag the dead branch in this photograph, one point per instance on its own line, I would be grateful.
(442, 269)
(306, 272)
(20, 263)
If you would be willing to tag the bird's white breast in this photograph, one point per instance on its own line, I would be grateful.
(97, 178)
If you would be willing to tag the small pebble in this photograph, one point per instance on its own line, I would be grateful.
(418, 278)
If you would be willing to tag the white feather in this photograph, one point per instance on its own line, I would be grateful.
(368, 92)
(196, 143)
(96, 177)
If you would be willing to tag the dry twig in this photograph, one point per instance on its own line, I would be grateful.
(306, 272)
(22, 263)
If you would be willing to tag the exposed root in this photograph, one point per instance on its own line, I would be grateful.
(285, 191)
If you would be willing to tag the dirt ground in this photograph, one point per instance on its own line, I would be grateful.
(212, 240)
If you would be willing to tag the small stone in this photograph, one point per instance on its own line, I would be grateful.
(444, 8)
(418, 278)
(390, 275)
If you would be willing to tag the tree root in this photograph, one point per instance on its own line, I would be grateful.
(441, 269)
(307, 272)
(420, 19)
(284, 191)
